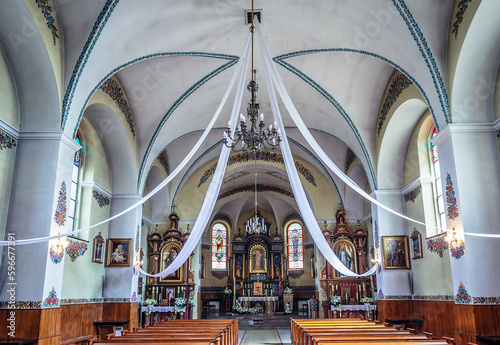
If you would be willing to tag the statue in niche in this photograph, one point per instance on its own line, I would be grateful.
(340, 215)
(168, 258)
(345, 258)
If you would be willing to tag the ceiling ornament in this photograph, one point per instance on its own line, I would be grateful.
(399, 83)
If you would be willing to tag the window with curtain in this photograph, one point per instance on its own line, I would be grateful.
(219, 246)
(295, 248)
(438, 188)
(74, 185)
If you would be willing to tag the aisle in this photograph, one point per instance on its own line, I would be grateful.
(266, 337)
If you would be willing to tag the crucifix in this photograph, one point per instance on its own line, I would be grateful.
(173, 207)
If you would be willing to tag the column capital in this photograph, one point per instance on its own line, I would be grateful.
(56, 135)
(464, 128)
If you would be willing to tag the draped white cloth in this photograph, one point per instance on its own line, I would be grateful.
(214, 187)
(169, 177)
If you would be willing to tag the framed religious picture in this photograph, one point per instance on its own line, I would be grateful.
(395, 252)
(168, 254)
(98, 249)
(416, 245)
(119, 252)
(258, 259)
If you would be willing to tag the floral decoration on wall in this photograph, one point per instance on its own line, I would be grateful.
(399, 83)
(486, 300)
(21, 305)
(462, 7)
(271, 157)
(134, 297)
(251, 188)
(102, 200)
(47, 13)
(413, 194)
(451, 200)
(224, 217)
(110, 86)
(51, 301)
(380, 294)
(437, 245)
(162, 158)
(462, 296)
(60, 216)
(55, 256)
(137, 239)
(457, 251)
(75, 249)
(377, 242)
(349, 159)
(6, 140)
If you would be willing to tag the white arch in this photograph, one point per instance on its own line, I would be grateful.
(353, 202)
(160, 201)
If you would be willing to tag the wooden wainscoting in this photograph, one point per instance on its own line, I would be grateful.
(41, 324)
(77, 319)
(462, 322)
(121, 311)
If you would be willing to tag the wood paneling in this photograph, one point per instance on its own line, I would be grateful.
(121, 311)
(27, 323)
(462, 322)
(77, 319)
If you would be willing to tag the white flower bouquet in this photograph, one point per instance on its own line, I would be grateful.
(180, 303)
(335, 301)
(150, 302)
(366, 300)
(288, 290)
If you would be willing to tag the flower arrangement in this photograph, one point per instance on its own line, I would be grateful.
(180, 303)
(366, 300)
(238, 308)
(227, 292)
(150, 301)
(288, 290)
(335, 301)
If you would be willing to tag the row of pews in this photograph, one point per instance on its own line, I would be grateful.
(179, 332)
(356, 331)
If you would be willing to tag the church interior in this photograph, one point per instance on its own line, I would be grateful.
(116, 123)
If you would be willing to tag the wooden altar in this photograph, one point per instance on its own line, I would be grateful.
(350, 245)
(163, 249)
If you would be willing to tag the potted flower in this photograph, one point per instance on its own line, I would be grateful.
(336, 302)
(367, 301)
(150, 303)
(180, 303)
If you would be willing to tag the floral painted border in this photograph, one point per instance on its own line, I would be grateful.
(377, 238)
(251, 188)
(60, 215)
(457, 251)
(271, 157)
(451, 200)
(349, 159)
(7, 141)
(47, 13)
(76, 249)
(116, 300)
(21, 305)
(81, 300)
(413, 194)
(224, 217)
(462, 297)
(398, 297)
(399, 83)
(162, 158)
(137, 239)
(110, 86)
(462, 8)
(437, 245)
(56, 257)
(449, 298)
(486, 300)
(102, 200)
(51, 301)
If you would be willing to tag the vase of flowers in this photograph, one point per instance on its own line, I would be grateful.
(367, 301)
(180, 303)
(150, 303)
(227, 292)
(336, 302)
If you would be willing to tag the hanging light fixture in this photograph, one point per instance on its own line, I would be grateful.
(257, 137)
(256, 224)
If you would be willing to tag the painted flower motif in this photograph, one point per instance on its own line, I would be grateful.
(462, 297)
(56, 257)
(413, 194)
(399, 83)
(438, 245)
(75, 249)
(51, 301)
(110, 86)
(251, 188)
(377, 242)
(137, 239)
(162, 158)
(60, 215)
(462, 7)
(451, 200)
(101, 199)
(134, 297)
(6, 140)
(458, 252)
(47, 13)
(380, 294)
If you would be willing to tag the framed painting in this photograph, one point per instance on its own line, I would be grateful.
(416, 245)
(98, 249)
(119, 252)
(168, 254)
(258, 259)
(395, 252)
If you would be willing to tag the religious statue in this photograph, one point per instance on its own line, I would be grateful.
(288, 309)
(344, 257)
(340, 215)
(325, 226)
(168, 258)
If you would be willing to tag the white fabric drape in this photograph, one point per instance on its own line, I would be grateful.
(319, 151)
(298, 190)
(169, 177)
(213, 189)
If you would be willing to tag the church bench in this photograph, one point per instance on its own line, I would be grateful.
(388, 343)
(166, 342)
(83, 339)
(374, 339)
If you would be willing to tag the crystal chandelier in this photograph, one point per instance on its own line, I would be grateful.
(257, 136)
(256, 224)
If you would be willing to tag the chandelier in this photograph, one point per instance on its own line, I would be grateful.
(257, 136)
(256, 224)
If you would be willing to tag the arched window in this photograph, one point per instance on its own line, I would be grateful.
(438, 188)
(74, 184)
(295, 249)
(219, 246)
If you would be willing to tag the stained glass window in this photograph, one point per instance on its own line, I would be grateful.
(219, 246)
(437, 180)
(74, 185)
(295, 248)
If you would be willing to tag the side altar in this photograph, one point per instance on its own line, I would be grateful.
(349, 243)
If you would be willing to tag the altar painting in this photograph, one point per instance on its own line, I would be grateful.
(168, 254)
(258, 259)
